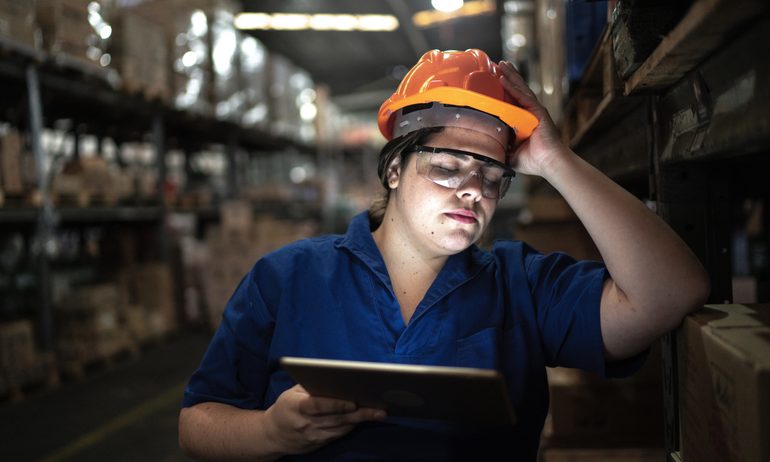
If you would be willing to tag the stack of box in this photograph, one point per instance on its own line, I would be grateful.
(10, 164)
(227, 96)
(21, 364)
(86, 181)
(78, 29)
(18, 23)
(592, 419)
(724, 384)
(186, 30)
(147, 290)
(230, 252)
(233, 247)
(88, 327)
(140, 55)
(253, 82)
(291, 88)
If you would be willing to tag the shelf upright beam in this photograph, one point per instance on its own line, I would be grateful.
(232, 164)
(46, 222)
(159, 143)
(693, 198)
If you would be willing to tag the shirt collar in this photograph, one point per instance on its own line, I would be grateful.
(458, 269)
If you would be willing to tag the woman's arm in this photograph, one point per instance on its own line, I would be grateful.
(297, 423)
(656, 280)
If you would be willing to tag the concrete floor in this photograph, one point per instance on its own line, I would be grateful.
(125, 412)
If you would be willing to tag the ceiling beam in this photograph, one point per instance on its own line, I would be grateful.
(416, 38)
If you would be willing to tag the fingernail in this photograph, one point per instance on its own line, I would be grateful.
(379, 415)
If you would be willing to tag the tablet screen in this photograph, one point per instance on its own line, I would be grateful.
(432, 392)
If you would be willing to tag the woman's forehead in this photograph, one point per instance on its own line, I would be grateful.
(468, 140)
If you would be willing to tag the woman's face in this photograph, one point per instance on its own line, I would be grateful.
(438, 219)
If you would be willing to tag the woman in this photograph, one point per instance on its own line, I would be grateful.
(406, 284)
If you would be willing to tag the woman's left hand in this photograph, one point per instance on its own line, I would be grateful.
(533, 156)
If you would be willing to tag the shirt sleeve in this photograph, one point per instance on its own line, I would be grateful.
(566, 295)
(234, 368)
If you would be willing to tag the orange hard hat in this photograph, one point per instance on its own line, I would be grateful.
(457, 78)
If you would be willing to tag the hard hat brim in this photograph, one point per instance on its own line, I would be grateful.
(522, 121)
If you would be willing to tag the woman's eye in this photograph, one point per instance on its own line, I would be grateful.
(445, 169)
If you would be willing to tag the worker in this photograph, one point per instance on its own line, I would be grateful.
(407, 283)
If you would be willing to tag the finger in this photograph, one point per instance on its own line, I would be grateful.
(515, 85)
(513, 77)
(350, 418)
(318, 406)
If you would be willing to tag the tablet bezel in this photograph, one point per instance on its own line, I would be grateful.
(471, 395)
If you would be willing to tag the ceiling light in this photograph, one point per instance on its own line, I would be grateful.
(377, 22)
(253, 21)
(427, 18)
(320, 22)
(447, 6)
(290, 21)
(346, 22)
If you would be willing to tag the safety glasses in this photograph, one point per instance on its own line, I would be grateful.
(452, 168)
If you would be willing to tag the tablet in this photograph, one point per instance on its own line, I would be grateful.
(462, 394)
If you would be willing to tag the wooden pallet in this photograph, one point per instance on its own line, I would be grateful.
(90, 362)
(84, 199)
(598, 100)
(146, 92)
(31, 198)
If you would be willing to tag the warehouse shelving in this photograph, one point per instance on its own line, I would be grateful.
(40, 88)
(688, 131)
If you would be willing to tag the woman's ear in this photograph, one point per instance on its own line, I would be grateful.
(394, 172)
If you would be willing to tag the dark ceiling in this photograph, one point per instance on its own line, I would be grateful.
(359, 67)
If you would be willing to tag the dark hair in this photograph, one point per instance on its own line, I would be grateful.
(393, 149)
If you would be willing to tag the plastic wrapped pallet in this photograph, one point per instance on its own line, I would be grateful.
(253, 76)
(78, 29)
(186, 30)
(292, 100)
(227, 95)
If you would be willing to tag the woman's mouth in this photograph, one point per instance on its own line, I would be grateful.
(462, 216)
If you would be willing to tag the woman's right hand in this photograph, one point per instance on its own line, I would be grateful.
(301, 423)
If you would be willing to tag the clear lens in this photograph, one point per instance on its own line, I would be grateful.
(452, 170)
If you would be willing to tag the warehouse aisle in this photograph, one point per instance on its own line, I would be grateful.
(127, 412)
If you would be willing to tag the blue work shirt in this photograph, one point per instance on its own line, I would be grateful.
(511, 309)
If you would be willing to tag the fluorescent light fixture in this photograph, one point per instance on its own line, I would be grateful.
(253, 21)
(290, 21)
(377, 22)
(428, 18)
(320, 22)
(447, 6)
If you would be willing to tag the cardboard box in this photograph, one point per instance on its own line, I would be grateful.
(140, 54)
(724, 384)
(603, 455)
(71, 27)
(10, 163)
(605, 413)
(588, 411)
(17, 345)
